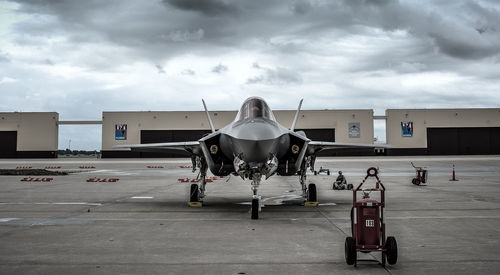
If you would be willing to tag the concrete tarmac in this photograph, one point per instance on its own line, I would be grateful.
(141, 224)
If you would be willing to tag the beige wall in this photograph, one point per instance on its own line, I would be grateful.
(430, 118)
(338, 119)
(137, 121)
(35, 131)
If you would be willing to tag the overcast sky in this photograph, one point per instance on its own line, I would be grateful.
(80, 58)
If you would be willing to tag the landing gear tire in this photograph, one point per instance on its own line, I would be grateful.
(391, 247)
(194, 195)
(311, 193)
(350, 250)
(255, 209)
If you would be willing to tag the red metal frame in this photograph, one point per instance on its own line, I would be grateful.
(379, 187)
(418, 174)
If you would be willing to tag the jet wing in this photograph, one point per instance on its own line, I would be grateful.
(192, 147)
(316, 146)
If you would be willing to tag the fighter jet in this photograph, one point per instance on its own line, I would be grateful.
(253, 146)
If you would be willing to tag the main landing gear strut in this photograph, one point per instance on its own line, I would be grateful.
(197, 192)
(308, 192)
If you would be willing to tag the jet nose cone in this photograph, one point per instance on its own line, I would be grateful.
(256, 151)
(256, 129)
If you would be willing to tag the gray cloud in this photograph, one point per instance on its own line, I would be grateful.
(4, 57)
(219, 69)
(465, 47)
(188, 72)
(301, 7)
(206, 7)
(62, 54)
(277, 76)
(160, 69)
(156, 32)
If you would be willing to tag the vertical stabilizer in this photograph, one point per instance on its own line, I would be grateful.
(296, 116)
(208, 116)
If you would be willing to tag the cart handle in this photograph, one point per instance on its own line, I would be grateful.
(371, 172)
(416, 166)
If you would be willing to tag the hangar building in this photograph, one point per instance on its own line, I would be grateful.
(150, 127)
(28, 135)
(444, 131)
(409, 131)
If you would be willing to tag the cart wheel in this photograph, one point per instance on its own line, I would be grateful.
(195, 194)
(350, 250)
(415, 181)
(391, 247)
(328, 172)
(311, 193)
(315, 173)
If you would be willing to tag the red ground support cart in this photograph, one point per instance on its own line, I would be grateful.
(368, 227)
(420, 175)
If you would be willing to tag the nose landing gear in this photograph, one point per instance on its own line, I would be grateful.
(256, 198)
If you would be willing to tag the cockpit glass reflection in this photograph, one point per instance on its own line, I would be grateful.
(255, 108)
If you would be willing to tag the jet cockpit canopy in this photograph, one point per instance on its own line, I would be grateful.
(255, 107)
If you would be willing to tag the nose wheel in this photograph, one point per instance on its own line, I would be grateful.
(256, 198)
(255, 209)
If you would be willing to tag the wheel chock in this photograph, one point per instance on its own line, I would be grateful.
(195, 204)
(311, 203)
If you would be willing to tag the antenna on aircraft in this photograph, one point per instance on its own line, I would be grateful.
(208, 116)
(296, 116)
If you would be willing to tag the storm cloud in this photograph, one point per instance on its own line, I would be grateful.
(141, 55)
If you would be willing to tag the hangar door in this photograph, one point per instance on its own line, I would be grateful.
(321, 135)
(8, 144)
(463, 141)
(156, 136)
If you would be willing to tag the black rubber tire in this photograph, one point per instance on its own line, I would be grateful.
(194, 195)
(328, 172)
(414, 181)
(350, 250)
(311, 193)
(315, 173)
(391, 247)
(255, 209)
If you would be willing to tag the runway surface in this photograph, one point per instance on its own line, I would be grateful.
(141, 224)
